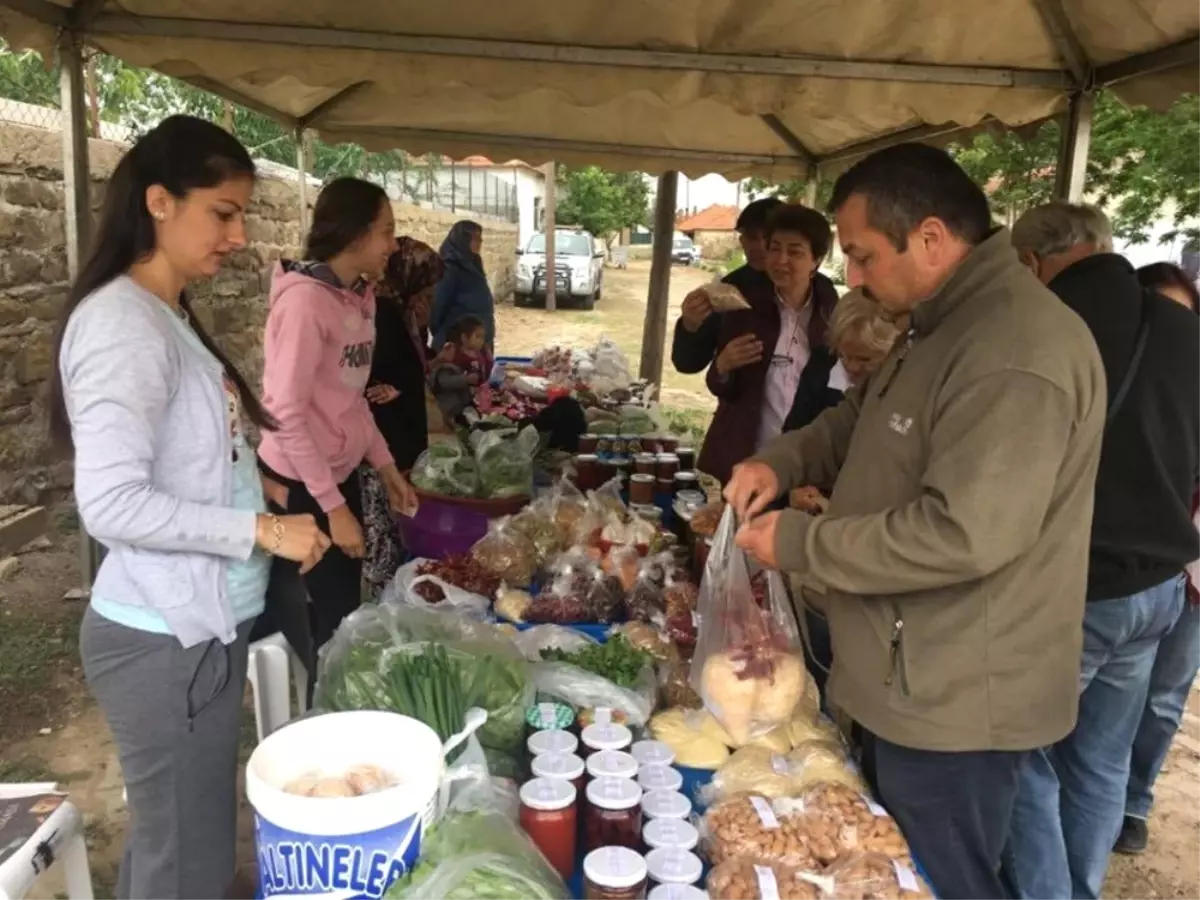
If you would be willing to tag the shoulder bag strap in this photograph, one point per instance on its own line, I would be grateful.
(1139, 350)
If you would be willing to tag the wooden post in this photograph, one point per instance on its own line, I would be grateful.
(550, 227)
(78, 220)
(654, 331)
(1074, 141)
(453, 187)
(810, 191)
(302, 162)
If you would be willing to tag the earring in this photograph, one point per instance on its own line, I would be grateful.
(159, 216)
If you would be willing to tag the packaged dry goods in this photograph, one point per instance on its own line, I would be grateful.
(682, 730)
(724, 297)
(762, 770)
(839, 820)
(756, 826)
(456, 581)
(646, 637)
(506, 553)
(873, 876)
(612, 675)
(747, 667)
(577, 589)
(752, 878)
(513, 604)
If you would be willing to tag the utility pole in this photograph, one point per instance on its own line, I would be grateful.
(549, 228)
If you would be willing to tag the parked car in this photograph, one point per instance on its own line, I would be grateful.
(684, 251)
(579, 269)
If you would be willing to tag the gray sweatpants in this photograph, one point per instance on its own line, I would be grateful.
(175, 716)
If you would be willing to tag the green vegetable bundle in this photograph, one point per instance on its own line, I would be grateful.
(447, 469)
(479, 855)
(617, 660)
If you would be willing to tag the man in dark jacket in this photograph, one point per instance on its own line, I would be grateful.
(1072, 796)
(736, 347)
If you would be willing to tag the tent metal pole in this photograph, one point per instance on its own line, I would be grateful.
(550, 205)
(810, 190)
(654, 331)
(302, 163)
(1075, 137)
(78, 219)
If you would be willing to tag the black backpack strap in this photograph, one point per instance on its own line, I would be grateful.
(1117, 399)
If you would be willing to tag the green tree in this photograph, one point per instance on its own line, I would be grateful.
(600, 201)
(790, 191)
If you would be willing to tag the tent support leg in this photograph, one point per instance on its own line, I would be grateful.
(654, 331)
(1076, 136)
(302, 163)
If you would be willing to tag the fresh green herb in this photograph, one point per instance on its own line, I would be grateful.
(617, 660)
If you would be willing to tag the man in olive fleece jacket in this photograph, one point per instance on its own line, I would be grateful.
(954, 551)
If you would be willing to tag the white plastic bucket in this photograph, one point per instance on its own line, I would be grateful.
(348, 847)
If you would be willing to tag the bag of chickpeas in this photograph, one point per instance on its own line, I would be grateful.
(752, 878)
(838, 820)
(873, 876)
(755, 826)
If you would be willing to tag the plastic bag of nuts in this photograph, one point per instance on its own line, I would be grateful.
(873, 876)
(839, 820)
(751, 878)
(751, 825)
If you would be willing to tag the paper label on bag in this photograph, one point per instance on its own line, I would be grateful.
(768, 886)
(779, 764)
(765, 813)
(603, 715)
(875, 808)
(905, 877)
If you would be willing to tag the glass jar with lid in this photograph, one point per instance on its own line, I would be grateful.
(613, 814)
(659, 778)
(679, 834)
(611, 763)
(555, 741)
(677, 892)
(614, 873)
(549, 717)
(666, 805)
(563, 766)
(652, 753)
(670, 865)
(548, 816)
(605, 736)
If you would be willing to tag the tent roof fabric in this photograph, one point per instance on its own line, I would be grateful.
(740, 87)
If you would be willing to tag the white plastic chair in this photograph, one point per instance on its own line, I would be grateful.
(59, 839)
(273, 665)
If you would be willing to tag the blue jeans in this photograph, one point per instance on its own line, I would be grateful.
(1071, 799)
(1175, 668)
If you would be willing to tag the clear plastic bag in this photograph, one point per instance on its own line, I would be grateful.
(446, 468)
(581, 689)
(507, 552)
(747, 667)
(725, 297)
(645, 636)
(505, 461)
(532, 641)
(873, 876)
(840, 820)
(752, 878)
(766, 771)
(403, 590)
(683, 731)
(576, 588)
(759, 827)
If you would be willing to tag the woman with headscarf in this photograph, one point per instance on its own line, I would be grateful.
(463, 290)
(396, 390)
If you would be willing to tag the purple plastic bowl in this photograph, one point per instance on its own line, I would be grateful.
(440, 529)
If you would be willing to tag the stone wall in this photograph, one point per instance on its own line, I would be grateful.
(33, 283)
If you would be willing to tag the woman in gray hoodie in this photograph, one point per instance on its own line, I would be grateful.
(166, 480)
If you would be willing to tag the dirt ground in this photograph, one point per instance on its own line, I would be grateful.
(49, 729)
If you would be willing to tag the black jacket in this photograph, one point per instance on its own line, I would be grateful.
(1142, 531)
(397, 361)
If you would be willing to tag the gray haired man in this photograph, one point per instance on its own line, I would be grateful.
(1071, 802)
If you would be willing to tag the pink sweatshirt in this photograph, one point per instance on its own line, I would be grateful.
(318, 348)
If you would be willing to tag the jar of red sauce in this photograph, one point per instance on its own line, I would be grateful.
(562, 766)
(641, 490)
(613, 815)
(548, 816)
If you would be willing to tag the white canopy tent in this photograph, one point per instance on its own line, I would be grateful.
(740, 87)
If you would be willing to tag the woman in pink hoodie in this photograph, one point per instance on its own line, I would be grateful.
(320, 339)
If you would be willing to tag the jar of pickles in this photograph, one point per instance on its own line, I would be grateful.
(675, 833)
(670, 865)
(548, 816)
(659, 778)
(614, 873)
(604, 736)
(562, 766)
(613, 817)
(611, 764)
(556, 741)
(666, 805)
(652, 753)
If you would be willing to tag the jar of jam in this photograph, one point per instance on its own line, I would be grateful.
(549, 717)
(611, 764)
(665, 488)
(588, 443)
(614, 873)
(641, 490)
(670, 865)
(617, 445)
(655, 777)
(645, 464)
(677, 833)
(677, 892)
(668, 465)
(562, 766)
(604, 445)
(687, 458)
(605, 736)
(666, 805)
(668, 444)
(614, 814)
(652, 753)
(548, 817)
(587, 471)
(686, 481)
(634, 445)
(551, 742)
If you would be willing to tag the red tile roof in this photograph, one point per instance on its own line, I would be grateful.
(714, 218)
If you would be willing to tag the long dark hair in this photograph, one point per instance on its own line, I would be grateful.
(1165, 274)
(344, 212)
(182, 154)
